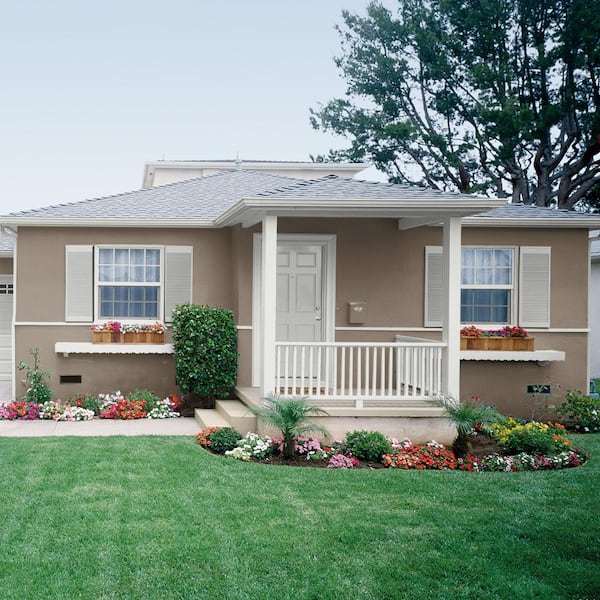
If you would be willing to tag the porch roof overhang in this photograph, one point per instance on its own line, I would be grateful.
(410, 212)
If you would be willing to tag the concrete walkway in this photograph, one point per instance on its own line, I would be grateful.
(100, 427)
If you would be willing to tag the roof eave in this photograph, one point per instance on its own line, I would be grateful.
(546, 223)
(105, 222)
(250, 211)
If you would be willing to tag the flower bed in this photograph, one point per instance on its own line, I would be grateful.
(406, 455)
(139, 405)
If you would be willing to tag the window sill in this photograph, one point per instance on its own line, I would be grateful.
(539, 356)
(66, 348)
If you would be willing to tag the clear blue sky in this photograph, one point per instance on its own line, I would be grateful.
(91, 90)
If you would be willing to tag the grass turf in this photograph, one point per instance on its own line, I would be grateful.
(159, 517)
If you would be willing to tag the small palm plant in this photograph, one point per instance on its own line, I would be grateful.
(465, 416)
(291, 417)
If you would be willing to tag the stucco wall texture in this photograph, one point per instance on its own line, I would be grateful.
(375, 263)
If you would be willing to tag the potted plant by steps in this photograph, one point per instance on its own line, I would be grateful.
(206, 358)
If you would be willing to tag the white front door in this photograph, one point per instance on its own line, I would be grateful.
(299, 293)
(6, 314)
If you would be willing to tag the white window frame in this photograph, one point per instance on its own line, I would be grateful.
(513, 287)
(98, 284)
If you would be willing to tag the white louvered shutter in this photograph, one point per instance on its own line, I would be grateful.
(79, 280)
(433, 286)
(534, 286)
(178, 278)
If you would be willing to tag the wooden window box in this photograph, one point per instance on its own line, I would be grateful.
(497, 343)
(139, 337)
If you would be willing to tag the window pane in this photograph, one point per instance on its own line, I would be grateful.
(137, 256)
(483, 257)
(152, 274)
(106, 273)
(483, 314)
(153, 256)
(121, 273)
(106, 256)
(484, 276)
(121, 256)
(137, 274)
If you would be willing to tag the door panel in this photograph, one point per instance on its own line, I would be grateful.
(299, 293)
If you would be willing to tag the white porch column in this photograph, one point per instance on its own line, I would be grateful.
(269, 303)
(451, 307)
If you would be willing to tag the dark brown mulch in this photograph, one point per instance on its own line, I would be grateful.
(301, 461)
(482, 445)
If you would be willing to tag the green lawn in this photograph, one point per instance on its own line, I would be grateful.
(151, 517)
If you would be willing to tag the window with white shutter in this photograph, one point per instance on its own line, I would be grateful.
(491, 290)
(134, 283)
(534, 284)
(79, 288)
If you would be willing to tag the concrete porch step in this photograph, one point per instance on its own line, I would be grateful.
(227, 413)
(210, 417)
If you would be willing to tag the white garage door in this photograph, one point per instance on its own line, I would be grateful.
(6, 314)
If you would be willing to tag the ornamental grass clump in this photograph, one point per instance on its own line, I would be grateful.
(291, 416)
(467, 416)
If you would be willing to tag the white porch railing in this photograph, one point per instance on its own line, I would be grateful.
(359, 371)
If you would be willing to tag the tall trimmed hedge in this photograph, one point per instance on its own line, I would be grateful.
(205, 344)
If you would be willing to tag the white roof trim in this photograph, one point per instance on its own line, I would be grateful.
(251, 210)
(99, 222)
(541, 222)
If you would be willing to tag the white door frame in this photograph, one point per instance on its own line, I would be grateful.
(328, 245)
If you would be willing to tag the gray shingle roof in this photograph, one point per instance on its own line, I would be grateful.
(204, 199)
(332, 186)
(208, 197)
(522, 211)
(200, 198)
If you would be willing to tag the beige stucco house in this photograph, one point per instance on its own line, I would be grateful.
(348, 291)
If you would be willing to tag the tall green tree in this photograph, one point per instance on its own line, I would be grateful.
(492, 96)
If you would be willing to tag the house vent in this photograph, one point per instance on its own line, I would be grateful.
(542, 389)
(70, 379)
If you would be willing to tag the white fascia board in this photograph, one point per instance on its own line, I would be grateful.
(434, 208)
(100, 222)
(590, 223)
(248, 164)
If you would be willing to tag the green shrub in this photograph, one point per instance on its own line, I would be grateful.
(584, 411)
(223, 439)
(205, 344)
(36, 380)
(367, 445)
(532, 440)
